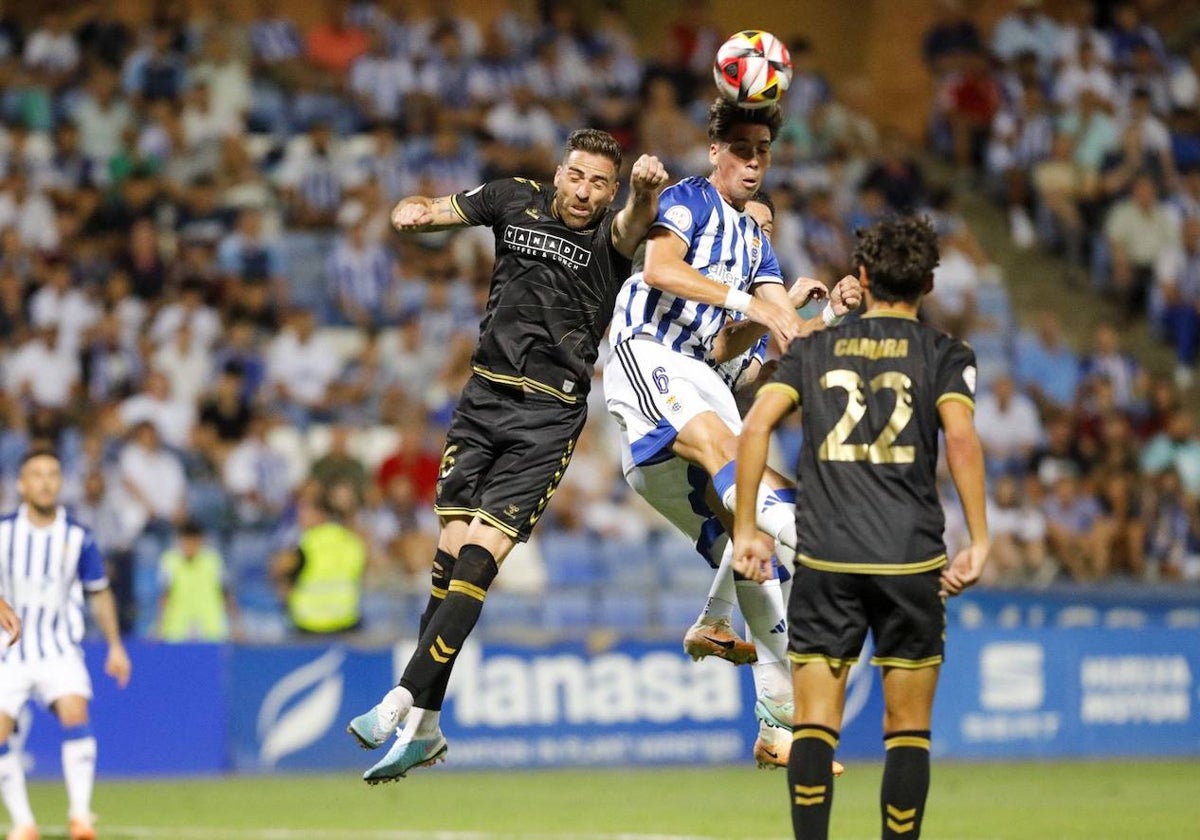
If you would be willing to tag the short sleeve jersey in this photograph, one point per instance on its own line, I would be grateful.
(552, 293)
(723, 244)
(869, 392)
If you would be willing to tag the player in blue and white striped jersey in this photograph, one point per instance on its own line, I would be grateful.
(705, 260)
(48, 561)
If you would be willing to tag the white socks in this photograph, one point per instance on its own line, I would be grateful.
(421, 723)
(721, 594)
(398, 701)
(12, 788)
(766, 624)
(79, 772)
(776, 512)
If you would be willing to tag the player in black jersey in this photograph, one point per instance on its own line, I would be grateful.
(561, 257)
(875, 393)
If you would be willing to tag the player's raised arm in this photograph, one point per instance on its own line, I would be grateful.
(9, 623)
(964, 456)
(646, 181)
(419, 214)
(666, 269)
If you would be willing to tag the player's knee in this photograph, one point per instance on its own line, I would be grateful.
(475, 566)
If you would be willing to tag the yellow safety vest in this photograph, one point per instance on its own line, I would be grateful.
(326, 595)
(195, 607)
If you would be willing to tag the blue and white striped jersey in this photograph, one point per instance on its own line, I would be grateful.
(732, 370)
(43, 574)
(723, 245)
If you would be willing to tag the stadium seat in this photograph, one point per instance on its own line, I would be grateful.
(677, 611)
(571, 559)
(208, 504)
(248, 556)
(569, 609)
(374, 444)
(508, 611)
(631, 612)
(346, 342)
(628, 564)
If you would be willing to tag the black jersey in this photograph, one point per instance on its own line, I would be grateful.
(553, 289)
(869, 392)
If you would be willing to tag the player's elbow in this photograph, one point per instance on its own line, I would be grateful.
(963, 445)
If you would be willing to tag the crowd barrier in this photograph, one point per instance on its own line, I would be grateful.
(1006, 692)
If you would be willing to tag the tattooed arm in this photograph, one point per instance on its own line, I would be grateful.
(418, 214)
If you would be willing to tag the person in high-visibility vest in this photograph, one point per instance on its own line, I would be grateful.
(321, 580)
(196, 604)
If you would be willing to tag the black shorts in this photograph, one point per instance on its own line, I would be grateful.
(829, 614)
(506, 451)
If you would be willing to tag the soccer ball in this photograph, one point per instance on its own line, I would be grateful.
(753, 69)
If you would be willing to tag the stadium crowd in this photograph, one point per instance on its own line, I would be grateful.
(203, 306)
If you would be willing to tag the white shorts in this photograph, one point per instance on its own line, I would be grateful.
(676, 489)
(654, 392)
(43, 680)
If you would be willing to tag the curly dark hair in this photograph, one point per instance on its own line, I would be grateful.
(595, 142)
(724, 114)
(900, 255)
(763, 198)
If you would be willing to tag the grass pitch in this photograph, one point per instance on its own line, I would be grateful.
(1054, 801)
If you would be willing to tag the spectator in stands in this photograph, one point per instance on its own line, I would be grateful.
(1169, 522)
(971, 102)
(525, 132)
(1074, 530)
(403, 535)
(1185, 78)
(1122, 531)
(1109, 361)
(1027, 29)
(360, 273)
(338, 466)
(227, 79)
(1138, 230)
(256, 477)
(240, 351)
(111, 367)
(42, 373)
(1008, 426)
(30, 212)
(897, 174)
(1046, 367)
(196, 604)
(331, 45)
(1093, 134)
(276, 43)
(1021, 137)
(104, 509)
(1130, 33)
(1178, 278)
(301, 367)
(1084, 71)
(380, 81)
(416, 458)
(1176, 448)
(1062, 186)
(58, 301)
(104, 34)
(172, 418)
(320, 579)
(1059, 453)
(157, 70)
(1018, 530)
(153, 480)
(224, 414)
(953, 35)
(313, 178)
(186, 364)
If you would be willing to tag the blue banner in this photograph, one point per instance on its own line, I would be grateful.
(1069, 693)
(1004, 693)
(506, 706)
(169, 720)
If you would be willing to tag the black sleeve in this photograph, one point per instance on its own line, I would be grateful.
(789, 374)
(484, 205)
(956, 372)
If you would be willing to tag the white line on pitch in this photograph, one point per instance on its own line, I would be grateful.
(139, 832)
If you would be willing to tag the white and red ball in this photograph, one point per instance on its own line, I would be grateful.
(753, 69)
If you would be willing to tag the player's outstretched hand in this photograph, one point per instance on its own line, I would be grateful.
(805, 290)
(752, 557)
(9, 623)
(964, 571)
(648, 175)
(846, 295)
(411, 215)
(784, 324)
(118, 666)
